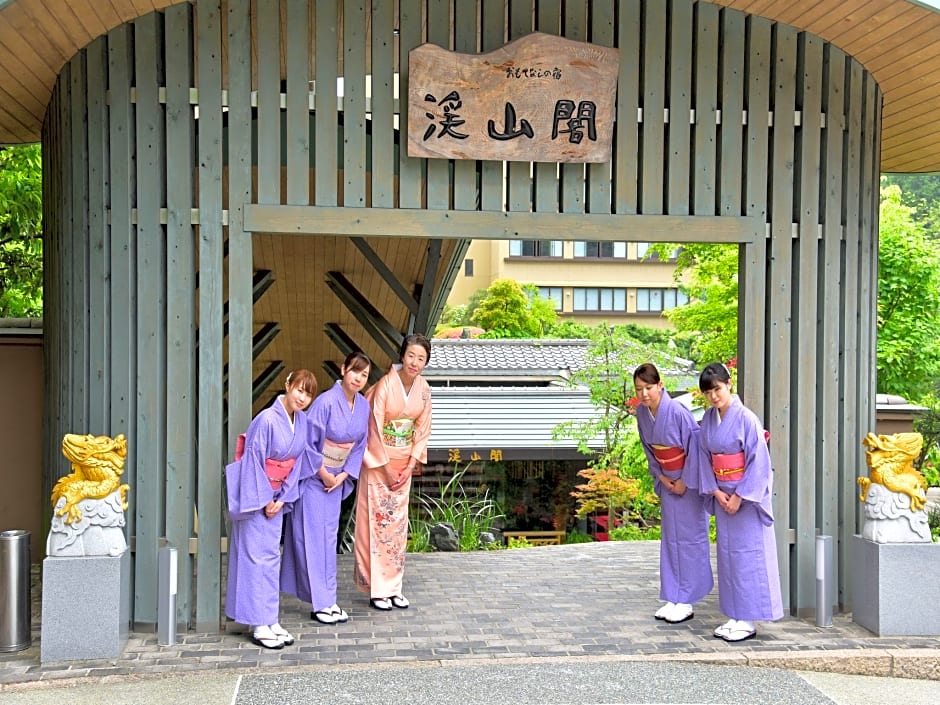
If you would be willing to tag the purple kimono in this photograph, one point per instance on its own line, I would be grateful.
(310, 533)
(254, 555)
(748, 574)
(685, 569)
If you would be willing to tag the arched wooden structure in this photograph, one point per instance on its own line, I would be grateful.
(198, 152)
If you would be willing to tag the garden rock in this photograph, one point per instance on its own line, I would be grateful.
(444, 537)
(488, 538)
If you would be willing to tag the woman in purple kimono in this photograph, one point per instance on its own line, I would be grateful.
(339, 424)
(670, 439)
(261, 483)
(736, 480)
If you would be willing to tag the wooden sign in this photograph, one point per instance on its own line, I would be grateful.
(540, 98)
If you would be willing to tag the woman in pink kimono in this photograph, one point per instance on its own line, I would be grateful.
(339, 424)
(670, 439)
(737, 482)
(261, 484)
(398, 441)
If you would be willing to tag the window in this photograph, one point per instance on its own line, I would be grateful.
(535, 248)
(658, 300)
(600, 249)
(468, 267)
(598, 299)
(553, 294)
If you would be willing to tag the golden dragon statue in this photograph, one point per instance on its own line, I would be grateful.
(97, 466)
(891, 459)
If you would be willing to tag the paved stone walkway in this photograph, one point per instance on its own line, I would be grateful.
(591, 601)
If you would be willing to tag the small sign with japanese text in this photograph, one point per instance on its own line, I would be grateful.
(540, 98)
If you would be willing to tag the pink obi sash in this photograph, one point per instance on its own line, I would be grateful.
(335, 454)
(728, 467)
(275, 470)
(669, 457)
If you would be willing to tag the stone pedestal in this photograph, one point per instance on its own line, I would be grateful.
(896, 587)
(84, 615)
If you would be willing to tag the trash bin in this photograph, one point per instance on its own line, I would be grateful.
(15, 607)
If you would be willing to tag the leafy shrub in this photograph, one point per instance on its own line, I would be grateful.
(629, 532)
(575, 536)
(519, 543)
(470, 513)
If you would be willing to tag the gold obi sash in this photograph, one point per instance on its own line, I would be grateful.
(335, 454)
(669, 457)
(275, 470)
(398, 433)
(728, 467)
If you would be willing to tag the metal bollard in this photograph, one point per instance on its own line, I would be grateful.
(823, 581)
(15, 607)
(166, 596)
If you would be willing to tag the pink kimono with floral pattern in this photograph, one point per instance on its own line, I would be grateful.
(398, 435)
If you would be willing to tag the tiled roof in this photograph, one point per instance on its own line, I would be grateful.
(530, 357)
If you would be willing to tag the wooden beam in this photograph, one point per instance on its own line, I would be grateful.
(494, 225)
(362, 309)
(388, 276)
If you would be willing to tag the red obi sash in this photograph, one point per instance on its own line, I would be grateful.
(669, 457)
(275, 470)
(728, 467)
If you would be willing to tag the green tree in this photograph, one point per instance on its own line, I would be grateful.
(615, 472)
(509, 310)
(708, 274)
(908, 301)
(922, 193)
(20, 231)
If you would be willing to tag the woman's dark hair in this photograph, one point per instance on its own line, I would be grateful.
(414, 339)
(357, 361)
(304, 379)
(712, 375)
(647, 372)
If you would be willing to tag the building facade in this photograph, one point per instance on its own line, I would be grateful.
(588, 281)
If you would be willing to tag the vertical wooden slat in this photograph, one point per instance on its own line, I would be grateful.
(438, 170)
(732, 104)
(852, 424)
(627, 138)
(354, 104)
(599, 176)
(830, 411)
(703, 166)
(325, 102)
(518, 179)
(269, 101)
(209, 459)
(572, 175)
(181, 301)
(123, 263)
(466, 189)
(491, 173)
(410, 170)
(99, 310)
(868, 246)
(296, 46)
(780, 285)
(652, 143)
(383, 156)
(679, 91)
(804, 386)
(78, 251)
(753, 258)
(151, 312)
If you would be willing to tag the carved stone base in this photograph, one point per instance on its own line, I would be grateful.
(83, 613)
(896, 587)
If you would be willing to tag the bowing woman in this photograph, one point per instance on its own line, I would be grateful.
(670, 439)
(737, 480)
(397, 444)
(339, 423)
(261, 484)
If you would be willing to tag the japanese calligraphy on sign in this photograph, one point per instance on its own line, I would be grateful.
(540, 98)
